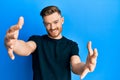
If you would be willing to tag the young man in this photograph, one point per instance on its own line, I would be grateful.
(53, 55)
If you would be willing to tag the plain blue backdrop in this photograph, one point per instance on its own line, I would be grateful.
(95, 20)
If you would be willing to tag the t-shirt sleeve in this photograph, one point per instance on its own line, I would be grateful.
(35, 38)
(74, 49)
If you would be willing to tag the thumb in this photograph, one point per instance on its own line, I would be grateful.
(10, 52)
(84, 73)
(20, 22)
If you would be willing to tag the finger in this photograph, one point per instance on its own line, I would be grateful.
(90, 48)
(12, 35)
(95, 53)
(10, 52)
(9, 45)
(13, 28)
(20, 22)
(93, 61)
(84, 73)
(92, 67)
(93, 58)
(18, 26)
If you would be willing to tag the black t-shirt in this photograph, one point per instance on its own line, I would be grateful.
(51, 59)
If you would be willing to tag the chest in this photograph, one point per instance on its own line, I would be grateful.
(56, 51)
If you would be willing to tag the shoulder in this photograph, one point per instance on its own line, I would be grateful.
(73, 47)
(71, 42)
(36, 37)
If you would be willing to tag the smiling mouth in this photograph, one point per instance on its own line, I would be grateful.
(53, 30)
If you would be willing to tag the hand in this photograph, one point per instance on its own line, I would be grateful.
(12, 35)
(91, 60)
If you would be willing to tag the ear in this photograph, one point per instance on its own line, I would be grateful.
(62, 20)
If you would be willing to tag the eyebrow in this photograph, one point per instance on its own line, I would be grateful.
(51, 22)
(56, 20)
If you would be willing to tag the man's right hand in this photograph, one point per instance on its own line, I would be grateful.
(12, 36)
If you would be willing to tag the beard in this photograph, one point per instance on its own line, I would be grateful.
(54, 33)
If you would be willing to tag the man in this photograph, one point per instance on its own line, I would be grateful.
(53, 55)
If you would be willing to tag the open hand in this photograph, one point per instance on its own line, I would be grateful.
(91, 60)
(12, 35)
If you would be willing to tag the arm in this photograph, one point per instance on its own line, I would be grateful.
(81, 68)
(77, 65)
(20, 47)
(23, 48)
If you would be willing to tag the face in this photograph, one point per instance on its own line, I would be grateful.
(53, 24)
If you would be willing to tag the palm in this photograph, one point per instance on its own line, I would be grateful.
(92, 57)
(91, 60)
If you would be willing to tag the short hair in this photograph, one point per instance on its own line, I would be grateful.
(49, 10)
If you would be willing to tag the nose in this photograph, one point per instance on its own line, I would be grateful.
(52, 26)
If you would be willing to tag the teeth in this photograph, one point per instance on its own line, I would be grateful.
(54, 30)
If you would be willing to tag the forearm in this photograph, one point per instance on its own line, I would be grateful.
(78, 68)
(22, 48)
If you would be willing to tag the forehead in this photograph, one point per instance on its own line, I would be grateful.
(52, 17)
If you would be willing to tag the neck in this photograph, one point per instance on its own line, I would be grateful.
(57, 37)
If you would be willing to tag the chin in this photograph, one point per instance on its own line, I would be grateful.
(54, 36)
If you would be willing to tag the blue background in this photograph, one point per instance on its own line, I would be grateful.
(95, 20)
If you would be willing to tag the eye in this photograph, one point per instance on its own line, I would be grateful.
(55, 22)
(47, 24)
